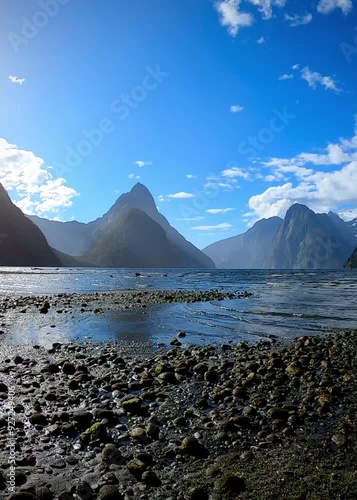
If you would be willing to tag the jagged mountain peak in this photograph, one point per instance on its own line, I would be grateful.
(139, 197)
(298, 209)
(140, 189)
(84, 239)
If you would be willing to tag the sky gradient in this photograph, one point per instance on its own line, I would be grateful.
(227, 110)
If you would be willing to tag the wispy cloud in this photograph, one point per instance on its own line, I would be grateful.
(314, 79)
(218, 211)
(295, 67)
(224, 226)
(232, 173)
(162, 198)
(141, 163)
(231, 16)
(327, 6)
(214, 185)
(191, 219)
(180, 196)
(261, 40)
(235, 108)
(17, 80)
(191, 176)
(286, 76)
(133, 176)
(296, 20)
(266, 6)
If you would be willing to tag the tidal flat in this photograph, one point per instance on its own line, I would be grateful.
(248, 420)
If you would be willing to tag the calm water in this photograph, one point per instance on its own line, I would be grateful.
(284, 303)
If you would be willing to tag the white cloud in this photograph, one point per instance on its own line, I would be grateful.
(133, 176)
(327, 6)
(348, 214)
(224, 226)
(214, 185)
(218, 211)
(296, 20)
(235, 108)
(231, 17)
(191, 176)
(24, 173)
(286, 76)
(334, 156)
(314, 79)
(181, 195)
(296, 66)
(308, 179)
(231, 173)
(16, 79)
(162, 198)
(266, 6)
(190, 219)
(261, 40)
(225, 180)
(141, 163)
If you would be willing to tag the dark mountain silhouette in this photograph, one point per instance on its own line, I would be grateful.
(133, 239)
(21, 241)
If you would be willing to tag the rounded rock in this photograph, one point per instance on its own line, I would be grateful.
(109, 492)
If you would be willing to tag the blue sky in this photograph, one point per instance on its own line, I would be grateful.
(227, 110)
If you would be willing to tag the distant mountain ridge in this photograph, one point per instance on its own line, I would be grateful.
(93, 242)
(303, 240)
(134, 234)
(250, 250)
(21, 241)
(310, 241)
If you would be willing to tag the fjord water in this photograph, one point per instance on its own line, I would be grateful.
(284, 303)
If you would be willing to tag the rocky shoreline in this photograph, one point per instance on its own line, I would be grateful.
(258, 421)
(101, 302)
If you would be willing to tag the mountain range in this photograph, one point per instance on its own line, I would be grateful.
(303, 240)
(131, 234)
(134, 234)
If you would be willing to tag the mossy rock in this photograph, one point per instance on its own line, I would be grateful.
(98, 430)
(132, 405)
(159, 369)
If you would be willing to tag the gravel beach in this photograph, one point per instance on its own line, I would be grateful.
(250, 421)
